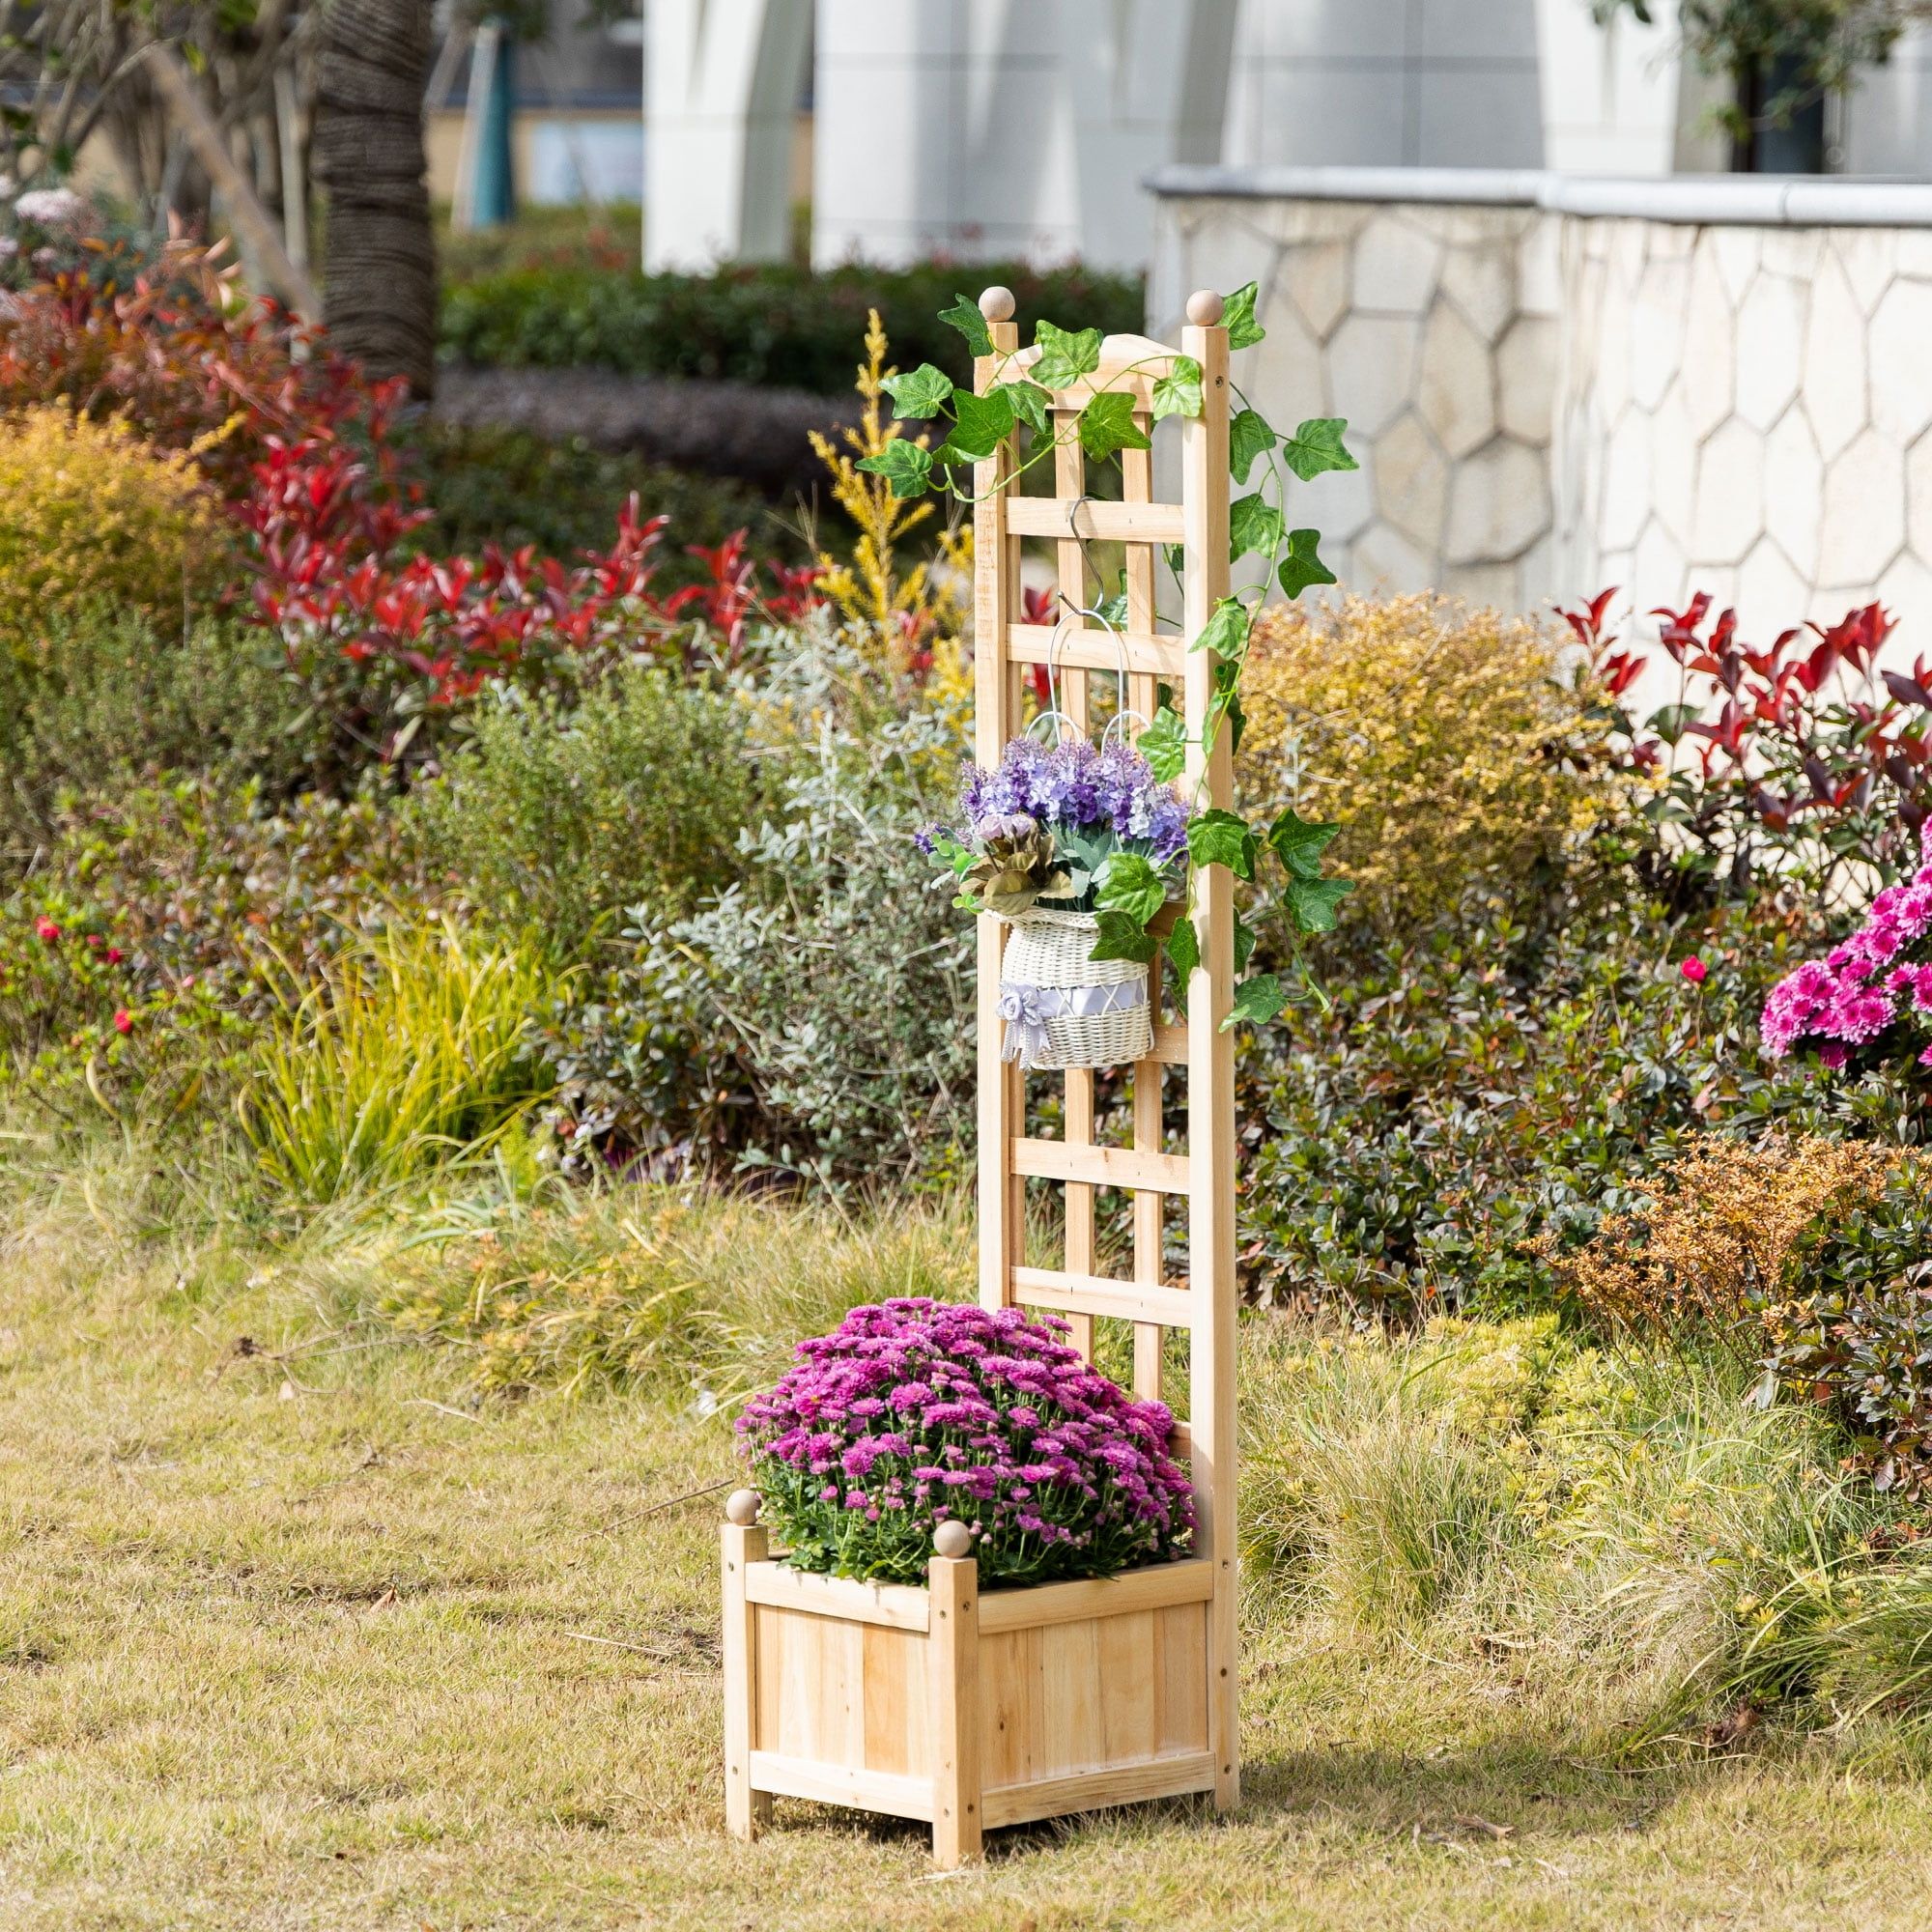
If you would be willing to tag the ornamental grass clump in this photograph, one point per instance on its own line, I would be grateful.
(915, 1413)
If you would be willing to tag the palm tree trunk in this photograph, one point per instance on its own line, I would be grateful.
(379, 276)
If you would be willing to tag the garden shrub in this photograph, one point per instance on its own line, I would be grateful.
(915, 1413)
(1848, 1319)
(564, 816)
(116, 702)
(766, 322)
(92, 518)
(1488, 1086)
(488, 484)
(818, 1012)
(1443, 739)
(178, 908)
(1716, 1236)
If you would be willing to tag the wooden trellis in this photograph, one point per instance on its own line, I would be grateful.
(1194, 1048)
(930, 1703)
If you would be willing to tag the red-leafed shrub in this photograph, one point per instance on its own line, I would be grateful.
(1805, 753)
(305, 449)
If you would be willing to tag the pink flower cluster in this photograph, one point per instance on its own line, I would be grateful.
(1847, 999)
(915, 1411)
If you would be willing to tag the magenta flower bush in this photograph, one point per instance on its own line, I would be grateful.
(916, 1412)
(1870, 998)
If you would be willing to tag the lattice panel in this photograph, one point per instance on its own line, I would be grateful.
(1192, 1051)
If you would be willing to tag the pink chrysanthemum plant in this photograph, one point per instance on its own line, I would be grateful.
(917, 1413)
(1867, 1001)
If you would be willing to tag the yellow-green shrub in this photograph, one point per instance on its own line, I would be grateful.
(90, 516)
(1439, 736)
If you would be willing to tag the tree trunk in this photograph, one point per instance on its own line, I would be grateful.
(379, 273)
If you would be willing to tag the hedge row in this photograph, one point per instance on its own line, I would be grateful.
(777, 325)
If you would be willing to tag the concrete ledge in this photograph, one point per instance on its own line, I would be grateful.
(1775, 201)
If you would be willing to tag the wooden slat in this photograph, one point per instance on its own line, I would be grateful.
(1150, 654)
(889, 1792)
(1091, 1294)
(1100, 1166)
(1170, 1045)
(1153, 1588)
(1085, 1791)
(997, 717)
(1108, 523)
(896, 1606)
(1069, 479)
(1210, 1065)
(1148, 1260)
(747, 1806)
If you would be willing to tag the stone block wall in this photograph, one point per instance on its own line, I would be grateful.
(1556, 384)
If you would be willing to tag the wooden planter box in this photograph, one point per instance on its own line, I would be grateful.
(965, 1712)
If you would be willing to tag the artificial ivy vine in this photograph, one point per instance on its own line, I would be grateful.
(1131, 892)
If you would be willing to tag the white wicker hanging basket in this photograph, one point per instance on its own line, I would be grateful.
(1063, 1008)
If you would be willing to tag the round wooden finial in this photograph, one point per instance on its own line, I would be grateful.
(1204, 308)
(996, 304)
(741, 1507)
(952, 1539)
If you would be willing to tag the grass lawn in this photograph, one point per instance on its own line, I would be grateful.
(294, 1631)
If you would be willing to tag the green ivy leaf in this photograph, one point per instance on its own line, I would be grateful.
(1122, 937)
(1107, 424)
(1249, 435)
(1300, 842)
(1115, 609)
(917, 393)
(1237, 317)
(1178, 393)
(965, 317)
(904, 464)
(1246, 937)
(1226, 632)
(1218, 838)
(1257, 1002)
(1317, 446)
(1130, 884)
(1164, 745)
(1672, 721)
(1253, 526)
(1064, 355)
(983, 422)
(1311, 902)
(1030, 403)
(1302, 565)
(1184, 953)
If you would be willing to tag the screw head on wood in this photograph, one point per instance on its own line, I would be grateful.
(741, 1507)
(996, 304)
(952, 1539)
(1204, 308)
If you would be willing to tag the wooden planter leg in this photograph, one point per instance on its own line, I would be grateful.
(952, 1647)
(747, 1813)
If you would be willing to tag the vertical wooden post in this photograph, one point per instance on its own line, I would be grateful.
(1210, 1052)
(996, 702)
(952, 1704)
(746, 1811)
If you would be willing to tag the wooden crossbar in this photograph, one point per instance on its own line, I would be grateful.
(1092, 1295)
(1105, 523)
(1148, 655)
(1100, 1166)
